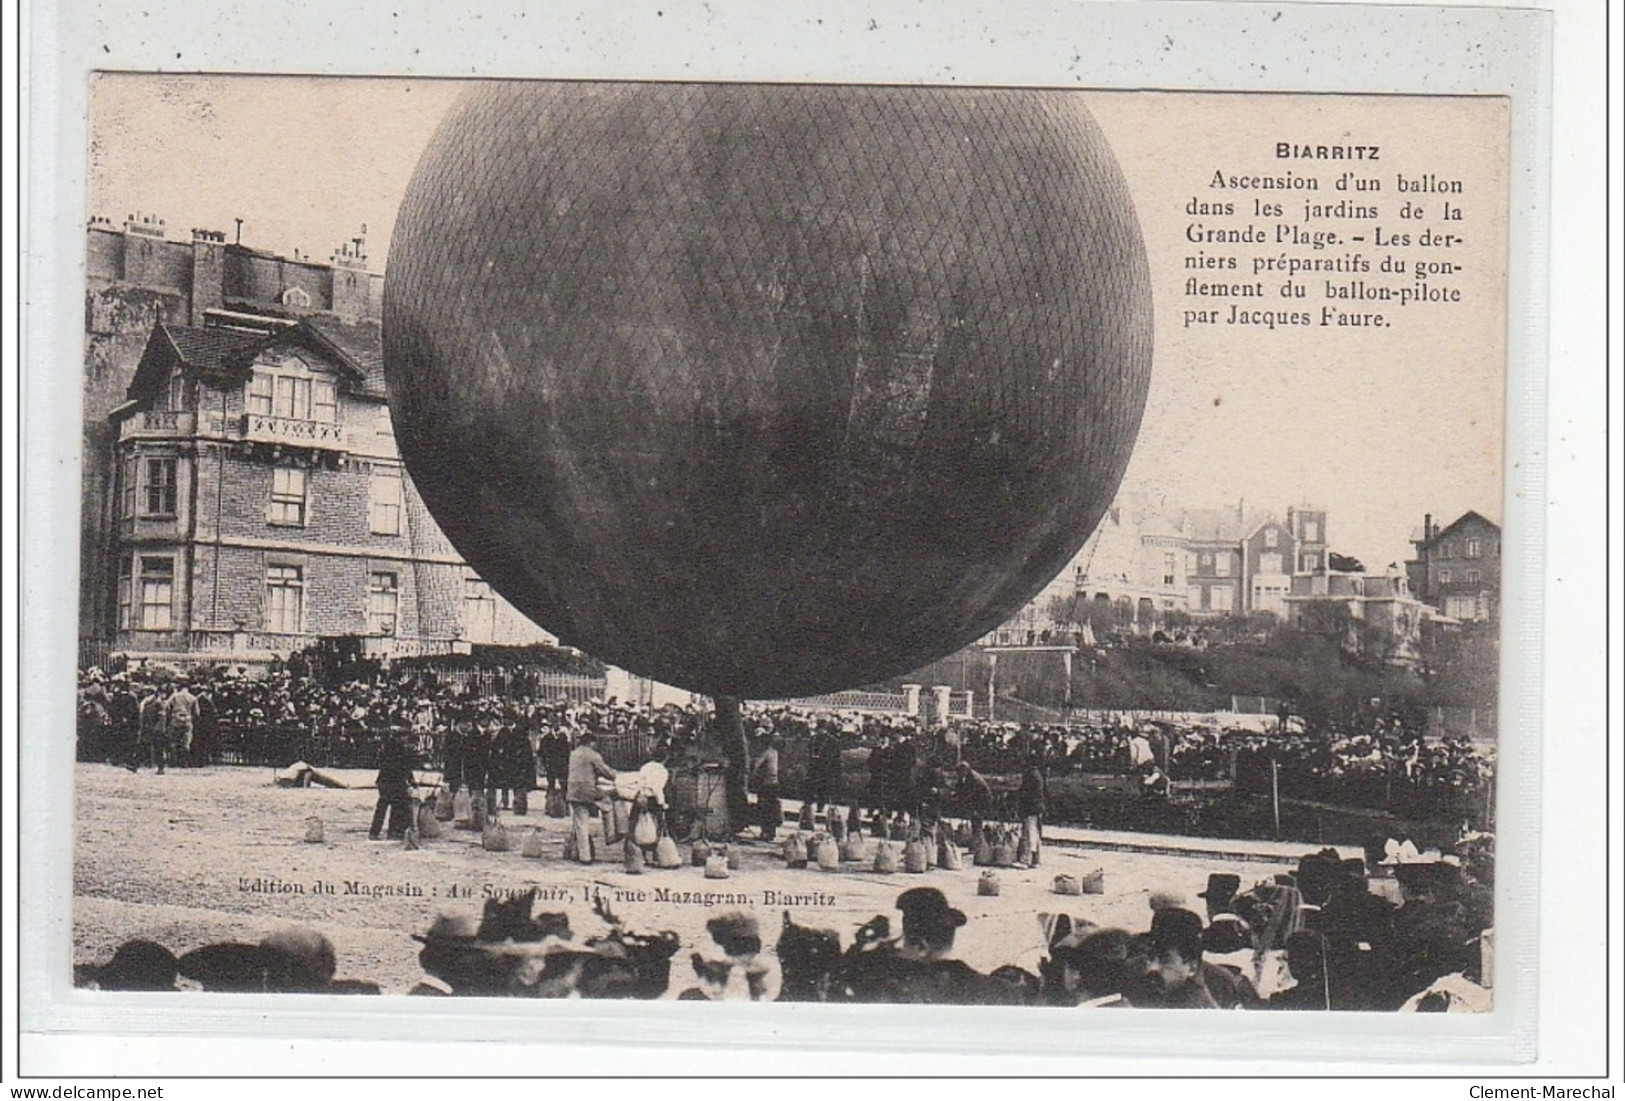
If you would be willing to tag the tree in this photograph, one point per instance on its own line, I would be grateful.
(1343, 563)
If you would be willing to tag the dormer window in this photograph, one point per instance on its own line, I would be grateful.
(292, 391)
(296, 298)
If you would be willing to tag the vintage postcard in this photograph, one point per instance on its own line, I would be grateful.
(774, 542)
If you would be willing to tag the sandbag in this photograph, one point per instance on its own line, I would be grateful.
(1067, 885)
(646, 832)
(948, 857)
(409, 840)
(700, 853)
(898, 830)
(494, 837)
(885, 858)
(828, 854)
(1093, 883)
(555, 806)
(716, 867)
(534, 844)
(982, 854)
(795, 850)
(1024, 850)
(805, 822)
(314, 835)
(632, 857)
(735, 861)
(854, 849)
(914, 860)
(930, 843)
(988, 884)
(1003, 856)
(837, 826)
(444, 804)
(428, 821)
(666, 854)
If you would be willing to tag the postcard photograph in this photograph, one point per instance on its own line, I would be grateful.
(838, 543)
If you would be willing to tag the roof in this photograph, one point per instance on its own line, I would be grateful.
(207, 351)
(1213, 525)
(213, 349)
(356, 348)
(1458, 522)
(361, 344)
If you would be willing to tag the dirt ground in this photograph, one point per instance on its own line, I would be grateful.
(203, 855)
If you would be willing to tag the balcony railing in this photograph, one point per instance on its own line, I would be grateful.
(263, 428)
(157, 424)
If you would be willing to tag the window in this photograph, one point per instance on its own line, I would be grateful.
(479, 610)
(291, 398)
(287, 495)
(1221, 564)
(1193, 597)
(297, 298)
(259, 394)
(1271, 538)
(131, 473)
(1472, 548)
(1207, 558)
(157, 593)
(383, 598)
(284, 599)
(1223, 599)
(294, 392)
(386, 501)
(160, 495)
(1269, 562)
(324, 401)
(1311, 531)
(178, 389)
(1168, 565)
(1444, 577)
(125, 590)
(1472, 577)
(1311, 563)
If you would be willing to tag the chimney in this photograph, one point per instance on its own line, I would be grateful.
(352, 283)
(208, 272)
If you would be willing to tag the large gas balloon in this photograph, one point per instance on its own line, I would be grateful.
(767, 390)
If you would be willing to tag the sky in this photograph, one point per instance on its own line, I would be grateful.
(1378, 427)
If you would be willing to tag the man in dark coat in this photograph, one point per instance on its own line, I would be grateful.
(975, 797)
(1031, 803)
(824, 770)
(395, 764)
(518, 765)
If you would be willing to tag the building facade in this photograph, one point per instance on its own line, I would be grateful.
(1457, 568)
(1375, 614)
(252, 499)
(1269, 555)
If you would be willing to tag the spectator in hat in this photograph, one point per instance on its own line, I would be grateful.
(919, 968)
(180, 723)
(1173, 965)
(1089, 968)
(743, 972)
(1220, 893)
(975, 797)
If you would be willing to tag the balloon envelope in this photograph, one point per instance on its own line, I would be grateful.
(767, 390)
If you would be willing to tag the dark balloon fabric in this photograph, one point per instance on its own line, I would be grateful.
(767, 390)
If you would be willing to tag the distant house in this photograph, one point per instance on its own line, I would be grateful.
(1457, 568)
(1372, 612)
(1268, 555)
(1214, 569)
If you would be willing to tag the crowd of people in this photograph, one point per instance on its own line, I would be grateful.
(516, 742)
